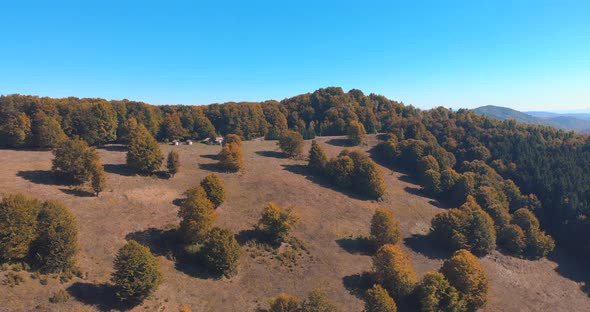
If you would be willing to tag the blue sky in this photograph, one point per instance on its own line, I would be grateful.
(529, 55)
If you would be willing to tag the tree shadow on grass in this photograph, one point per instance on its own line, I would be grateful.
(571, 268)
(356, 246)
(424, 245)
(102, 296)
(215, 167)
(358, 284)
(272, 154)
(324, 182)
(77, 192)
(45, 177)
(340, 142)
(414, 191)
(211, 156)
(120, 169)
(114, 148)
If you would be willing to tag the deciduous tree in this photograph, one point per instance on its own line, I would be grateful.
(144, 154)
(213, 186)
(136, 273)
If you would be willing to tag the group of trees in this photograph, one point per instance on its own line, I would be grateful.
(316, 301)
(351, 170)
(43, 234)
(218, 246)
(78, 163)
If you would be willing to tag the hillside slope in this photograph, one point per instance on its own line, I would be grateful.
(139, 207)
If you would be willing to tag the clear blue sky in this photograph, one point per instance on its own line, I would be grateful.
(529, 55)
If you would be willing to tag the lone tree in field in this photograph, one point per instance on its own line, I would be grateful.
(74, 160)
(284, 303)
(231, 157)
(378, 300)
(277, 223)
(394, 271)
(197, 215)
(435, 293)
(356, 133)
(18, 226)
(213, 186)
(465, 273)
(136, 273)
(317, 158)
(173, 163)
(144, 154)
(222, 252)
(56, 245)
(291, 143)
(384, 228)
(317, 301)
(98, 180)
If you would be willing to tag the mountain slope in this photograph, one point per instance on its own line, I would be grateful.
(504, 113)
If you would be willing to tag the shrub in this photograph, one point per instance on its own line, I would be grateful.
(356, 133)
(317, 301)
(291, 143)
(394, 271)
(173, 163)
(213, 186)
(435, 293)
(317, 158)
(60, 296)
(18, 226)
(384, 228)
(231, 157)
(144, 154)
(222, 252)
(277, 223)
(57, 243)
(378, 300)
(197, 215)
(465, 273)
(136, 273)
(284, 303)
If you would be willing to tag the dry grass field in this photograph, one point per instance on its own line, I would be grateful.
(139, 207)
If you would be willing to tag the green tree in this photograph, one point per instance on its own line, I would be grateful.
(356, 133)
(15, 130)
(56, 245)
(173, 163)
(384, 228)
(144, 154)
(46, 131)
(317, 301)
(136, 273)
(291, 143)
(277, 223)
(317, 158)
(435, 294)
(172, 128)
(73, 160)
(215, 189)
(284, 303)
(378, 300)
(18, 226)
(513, 239)
(394, 271)
(341, 169)
(197, 215)
(231, 157)
(222, 252)
(232, 138)
(98, 179)
(465, 273)
(427, 163)
(432, 183)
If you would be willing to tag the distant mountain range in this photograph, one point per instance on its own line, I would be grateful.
(579, 122)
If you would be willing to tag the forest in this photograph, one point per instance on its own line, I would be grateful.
(550, 167)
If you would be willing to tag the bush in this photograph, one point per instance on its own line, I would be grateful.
(144, 154)
(57, 243)
(465, 273)
(213, 186)
(394, 271)
(277, 223)
(60, 296)
(384, 228)
(222, 252)
(231, 157)
(291, 143)
(197, 215)
(435, 293)
(18, 226)
(284, 303)
(317, 158)
(173, 163)
(317, 301)
(378, 300)
(356, 133)
(136, 273)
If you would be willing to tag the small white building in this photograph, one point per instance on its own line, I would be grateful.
(189, 142)
(175, 142)
(219, 140)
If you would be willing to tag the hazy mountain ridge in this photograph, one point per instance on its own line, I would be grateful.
(579, 122)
